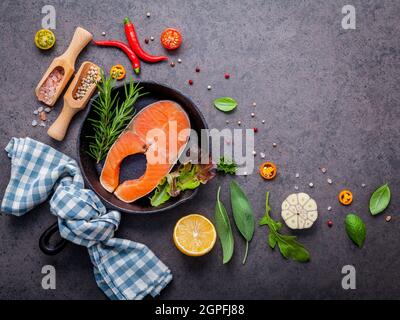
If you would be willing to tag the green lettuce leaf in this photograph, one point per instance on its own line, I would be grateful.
(161, 194)
(187, 177)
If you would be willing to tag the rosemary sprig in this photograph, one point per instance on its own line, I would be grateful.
(112, 116)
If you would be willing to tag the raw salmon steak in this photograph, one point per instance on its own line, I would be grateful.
(160, 131)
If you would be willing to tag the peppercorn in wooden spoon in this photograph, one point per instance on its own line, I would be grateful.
(61, 69)
(76, 98)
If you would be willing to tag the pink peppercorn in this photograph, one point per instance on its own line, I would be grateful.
(255, 129)
(190, 82)
(330, 223)
(227, 76)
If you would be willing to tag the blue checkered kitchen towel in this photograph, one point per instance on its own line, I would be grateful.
(123, 269)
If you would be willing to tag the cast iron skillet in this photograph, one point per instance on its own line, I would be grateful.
(133, 166)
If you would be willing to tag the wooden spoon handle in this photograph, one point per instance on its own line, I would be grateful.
(80, 40)
(59, 128)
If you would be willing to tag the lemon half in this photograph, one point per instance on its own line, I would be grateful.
(194, 235)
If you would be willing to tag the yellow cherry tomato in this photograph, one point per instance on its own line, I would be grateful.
(118, 72)
(45, 39)
(345, 197)
(268, 170)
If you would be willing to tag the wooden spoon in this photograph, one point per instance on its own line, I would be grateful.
(72, 105)
(66, 64)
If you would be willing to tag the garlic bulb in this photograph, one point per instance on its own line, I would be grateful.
(299, 211)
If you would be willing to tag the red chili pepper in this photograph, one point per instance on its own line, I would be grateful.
(125, 48)
(135, 45)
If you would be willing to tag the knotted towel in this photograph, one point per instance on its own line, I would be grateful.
(123, 269)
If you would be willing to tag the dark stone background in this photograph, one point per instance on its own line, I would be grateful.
(330, 98)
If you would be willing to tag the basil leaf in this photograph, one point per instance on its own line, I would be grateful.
(355, 229)
(379, 200)
(224, 229)
(242, 214)
(225, 104)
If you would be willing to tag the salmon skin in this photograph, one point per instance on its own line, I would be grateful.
(160, 131)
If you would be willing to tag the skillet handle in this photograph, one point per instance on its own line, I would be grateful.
(44, 241)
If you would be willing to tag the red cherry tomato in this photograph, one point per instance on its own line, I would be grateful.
(171, 39)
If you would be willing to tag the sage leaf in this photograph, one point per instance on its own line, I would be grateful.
(225, 104)
(242, 214)
(355, 229)
(224, 229)
(379, 200)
